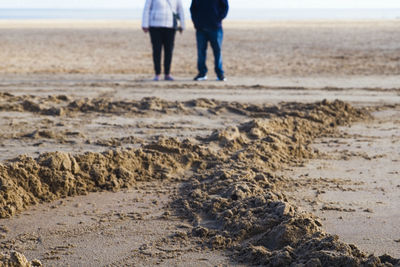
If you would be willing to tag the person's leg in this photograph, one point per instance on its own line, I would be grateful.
(156, 41)
(202, 41)
(168, 42)
(216, 38)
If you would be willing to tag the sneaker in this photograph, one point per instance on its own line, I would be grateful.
(169, 78)
(221, 79)
(156, 78)
(200, 77)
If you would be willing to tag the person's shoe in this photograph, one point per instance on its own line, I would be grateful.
(156, 78)
(221, 78)
(169, 78)
(200, 77)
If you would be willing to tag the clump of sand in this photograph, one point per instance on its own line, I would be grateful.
(232, 196)
(237, 203)
(50, 105)
(62, 105)
(15, 259)
(26, 181)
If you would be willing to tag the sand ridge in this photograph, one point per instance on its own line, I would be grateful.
(232, 196)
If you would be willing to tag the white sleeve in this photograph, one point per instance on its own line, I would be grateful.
(146, 14)
(181, 13)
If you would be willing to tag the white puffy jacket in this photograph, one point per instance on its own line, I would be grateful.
(158, 13)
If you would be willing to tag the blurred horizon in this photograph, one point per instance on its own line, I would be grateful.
(234, 14)
(255, 4)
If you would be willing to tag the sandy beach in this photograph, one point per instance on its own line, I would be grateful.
(294, 161)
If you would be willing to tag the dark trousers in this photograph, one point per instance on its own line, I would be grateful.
(162, 38)
(215, 38)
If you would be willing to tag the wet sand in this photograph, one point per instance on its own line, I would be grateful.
(354, 186)
(95, 94)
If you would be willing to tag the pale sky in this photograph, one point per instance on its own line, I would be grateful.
(233, 3)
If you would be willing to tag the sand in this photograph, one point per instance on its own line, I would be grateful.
(255, 49)
(347, 193)
(99, 165)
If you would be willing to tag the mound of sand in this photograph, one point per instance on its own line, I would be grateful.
(61, 105)
(15, 259)
(232, 196)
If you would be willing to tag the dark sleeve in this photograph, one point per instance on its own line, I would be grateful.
(193, 7)
(223, 8)
(193, 12)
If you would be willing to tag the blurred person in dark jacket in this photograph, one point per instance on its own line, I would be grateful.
(207, 16)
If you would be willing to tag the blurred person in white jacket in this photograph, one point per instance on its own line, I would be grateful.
(160, 18)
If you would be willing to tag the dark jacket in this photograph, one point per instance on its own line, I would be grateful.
(208, 14)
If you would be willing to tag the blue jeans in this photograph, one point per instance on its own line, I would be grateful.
(215, 37)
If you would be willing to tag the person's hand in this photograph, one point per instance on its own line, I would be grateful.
(145, 30)
(180, 30)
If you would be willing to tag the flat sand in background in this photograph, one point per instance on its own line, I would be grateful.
(260, 49)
